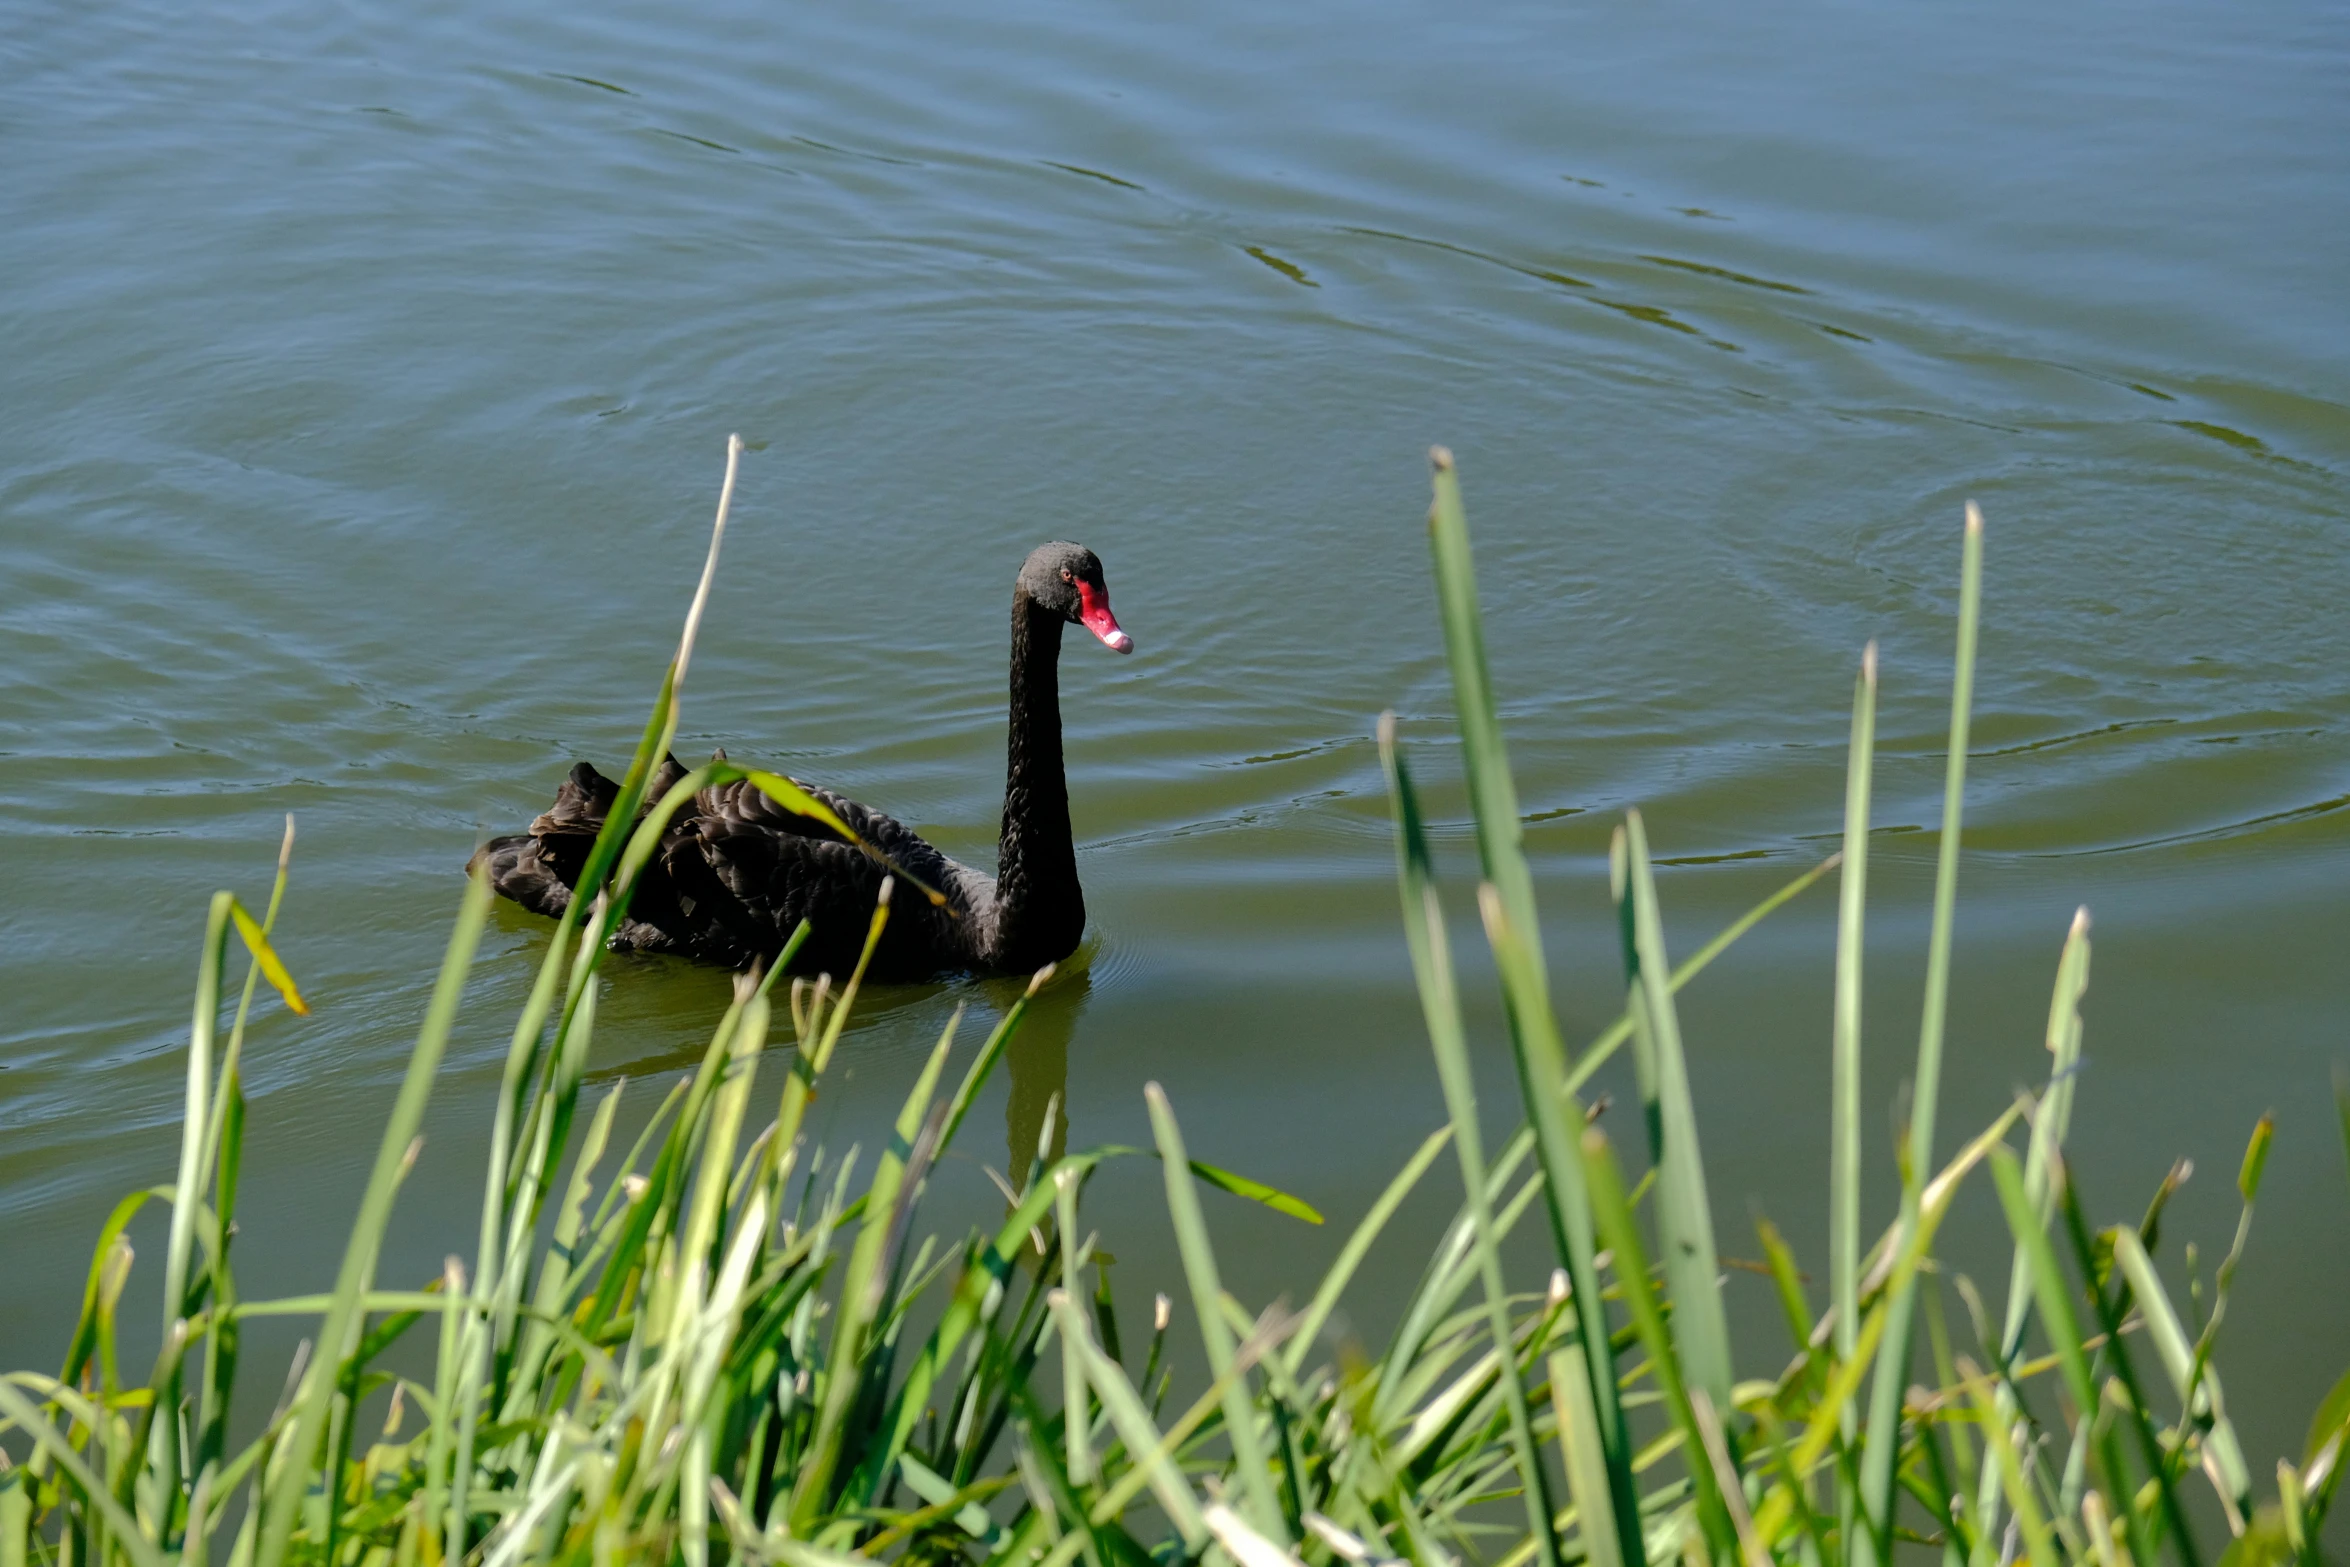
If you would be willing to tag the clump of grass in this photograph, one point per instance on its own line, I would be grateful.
(721, 1346)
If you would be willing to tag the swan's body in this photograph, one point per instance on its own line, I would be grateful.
(736, 873)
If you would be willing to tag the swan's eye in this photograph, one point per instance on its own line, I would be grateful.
(1065, 577)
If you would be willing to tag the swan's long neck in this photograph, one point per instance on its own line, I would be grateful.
(1040, 909)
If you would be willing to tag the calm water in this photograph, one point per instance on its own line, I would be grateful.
(367, 372)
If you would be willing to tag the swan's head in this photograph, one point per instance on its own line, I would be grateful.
(1067, 580)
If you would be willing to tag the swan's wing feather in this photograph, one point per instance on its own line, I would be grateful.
(519, 870)
(740, 808)
(666, 777)
(773, 880)
(782, 867)
(682, 905)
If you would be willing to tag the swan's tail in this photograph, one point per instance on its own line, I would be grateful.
(519, 872)
(539, 868)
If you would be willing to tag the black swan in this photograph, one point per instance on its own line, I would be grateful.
(736, 873)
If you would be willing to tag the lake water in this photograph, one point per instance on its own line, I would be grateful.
(366, 376)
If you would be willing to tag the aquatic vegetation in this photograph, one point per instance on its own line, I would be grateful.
(726, 1344)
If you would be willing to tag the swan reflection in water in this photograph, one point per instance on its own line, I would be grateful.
(1038, 1059)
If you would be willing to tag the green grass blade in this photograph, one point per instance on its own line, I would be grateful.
(1076, 1415)
(1557, 1117)
(1787, 1281)
(1879, 1456)
(724, 1129)
(2048, 1289)
(196, 1126)
(1500, 834)
(1553, 1116)
(1726, 1477)
(1927, 1089)
(1684, 1216)
(265, 958)
(524, 1050)
(1515, 935)
(227, 1088)
(2116, 1354)
(1514, 932)
(2232, 1477)
(1844, 1089)
(1431, 954)
(1105, 1308)
(1207, 1290)
(2050, 1122)
(2322, 1453)
(547, 1132)
(1255, 1191)
(1845, 1063)
(644, 1250)
(1051, 1491)
(441, 1441)
(283, 1500)
(223, 1159)
(1581, 1454)
(1621, 1230)
(2053, 1118)
(84, 1343)
(2293, 1503)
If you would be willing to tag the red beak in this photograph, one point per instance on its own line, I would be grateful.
(1094, 614)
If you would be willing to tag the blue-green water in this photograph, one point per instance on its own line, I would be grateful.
(364, 377)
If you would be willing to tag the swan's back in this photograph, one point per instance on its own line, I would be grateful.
(735, 874)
